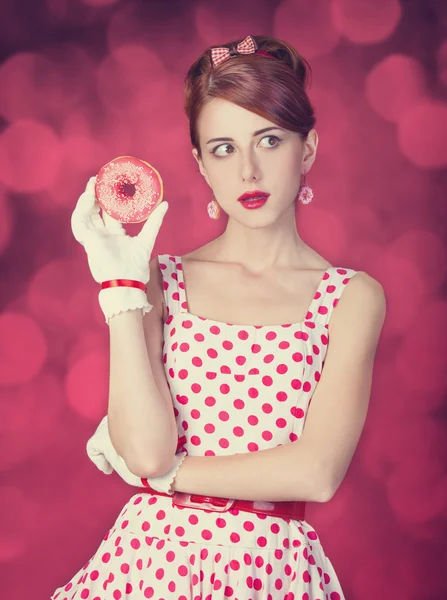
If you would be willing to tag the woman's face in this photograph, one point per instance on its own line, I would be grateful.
(242, 152)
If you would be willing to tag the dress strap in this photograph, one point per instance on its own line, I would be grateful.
(328, 294)
(173, 285)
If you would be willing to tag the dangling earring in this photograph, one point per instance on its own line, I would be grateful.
(213, 209)
(306, 193)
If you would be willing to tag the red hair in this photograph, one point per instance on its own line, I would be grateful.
(273, 89)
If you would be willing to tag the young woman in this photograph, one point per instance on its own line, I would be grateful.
(253, 355)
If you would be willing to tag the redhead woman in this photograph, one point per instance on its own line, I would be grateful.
(240, 374)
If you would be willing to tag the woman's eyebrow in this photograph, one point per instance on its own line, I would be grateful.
(228, 139)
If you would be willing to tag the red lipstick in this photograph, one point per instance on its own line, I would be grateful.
(253, 199)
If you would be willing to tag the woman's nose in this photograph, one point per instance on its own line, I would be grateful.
(250, 170)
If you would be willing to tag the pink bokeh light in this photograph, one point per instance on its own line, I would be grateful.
(133, 80)
(422, 134)
(427, 251)
(417, 488)
(13, 535)
(316, 223)
(87, 385)
(45, 86)
(394, 85)
(215, 22)
(307, 26)
(63, 293)
(7, 220)
(406, 290)
(23, 348)
(30, 156)
(30, 417)
(366, 22)
(442, 63)
(426, 346)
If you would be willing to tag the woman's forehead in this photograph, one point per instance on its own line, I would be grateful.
(220, 117)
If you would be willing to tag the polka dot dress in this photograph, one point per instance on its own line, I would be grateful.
(235, 389)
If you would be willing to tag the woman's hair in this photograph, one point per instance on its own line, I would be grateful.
(273, 89)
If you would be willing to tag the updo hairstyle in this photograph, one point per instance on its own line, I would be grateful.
(273, 89)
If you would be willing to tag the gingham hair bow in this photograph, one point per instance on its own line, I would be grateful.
(219, 55)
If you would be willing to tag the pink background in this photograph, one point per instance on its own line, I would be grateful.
(83, 81)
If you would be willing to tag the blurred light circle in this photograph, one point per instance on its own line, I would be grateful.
(45, 86)
(216, 22)
(61, 293)
(30, 156)
(425, 346)
(425, 250)
(87, 385)
(317, 222)
(422, 134)
(89, 339)
(7, 221)
(82, 152)
(20, 80)
(13, 534)
(29, 417)
(130, 24)
(367, 21)
(334, 120)
(394, 85)
(405, 290)
(402, 436)
(442, 62)
(23, 348)
(307, 26)
(417, 488)
(132, 80)
(373, 574)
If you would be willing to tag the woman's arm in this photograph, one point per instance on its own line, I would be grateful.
(141, 418)
(285, 473)
(313, 467)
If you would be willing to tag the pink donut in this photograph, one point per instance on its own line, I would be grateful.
(128, 189)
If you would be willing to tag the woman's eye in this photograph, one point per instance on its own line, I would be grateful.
(271, 137)
(215, 150)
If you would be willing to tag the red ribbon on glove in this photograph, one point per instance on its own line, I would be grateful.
(123, 282)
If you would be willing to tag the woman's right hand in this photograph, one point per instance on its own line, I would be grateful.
(112, 254)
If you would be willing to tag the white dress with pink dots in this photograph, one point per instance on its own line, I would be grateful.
(235, 389)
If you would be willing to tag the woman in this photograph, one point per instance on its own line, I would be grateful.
(234, 335)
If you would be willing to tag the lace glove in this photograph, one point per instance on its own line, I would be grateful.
(102, 453)
(112, 254)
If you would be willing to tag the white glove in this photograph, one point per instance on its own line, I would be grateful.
(112, 254)
(102, 453)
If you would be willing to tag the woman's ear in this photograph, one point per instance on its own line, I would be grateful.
(310, 146)
(200, 163)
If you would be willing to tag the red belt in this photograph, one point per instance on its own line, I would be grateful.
(286, 510)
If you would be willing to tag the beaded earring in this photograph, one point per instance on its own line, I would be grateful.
(306, 193)
(213, 209)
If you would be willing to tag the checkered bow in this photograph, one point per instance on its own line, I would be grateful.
(219, 55)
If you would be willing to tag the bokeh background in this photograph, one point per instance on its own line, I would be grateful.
(83, 81)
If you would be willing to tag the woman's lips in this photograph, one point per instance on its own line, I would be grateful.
(254, 195)
(254, 202)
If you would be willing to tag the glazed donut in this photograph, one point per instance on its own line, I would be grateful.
(128, 189)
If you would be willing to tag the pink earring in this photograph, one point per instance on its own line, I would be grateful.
(213, 209)
(306, 193)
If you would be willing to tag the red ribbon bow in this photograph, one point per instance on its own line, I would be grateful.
(219, 55)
